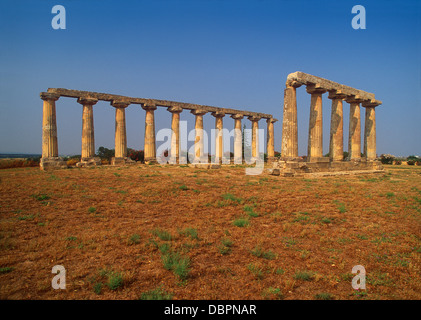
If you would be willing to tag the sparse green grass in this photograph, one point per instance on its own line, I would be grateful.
(256, 271)
(272, 293)
(115, 280)
(41, 196)
(258, 252)
(6, 270)
(324, 296)
(176, 263)
(156, 294)
(71, 238)
(91, 209)
(250, 211)
(162, 234)
(98, 287)
(27, 217)
(241, 222)
(304, 275)
(183, 187)
(134, 239)
(190, 232)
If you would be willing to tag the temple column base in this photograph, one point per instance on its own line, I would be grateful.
(52, 163)
(89, 162)
(121, 161)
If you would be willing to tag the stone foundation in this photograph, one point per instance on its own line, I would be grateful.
(290, 168)
(89, 162)
(52, 163)
(120, 161)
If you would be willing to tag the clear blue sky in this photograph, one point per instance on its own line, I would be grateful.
(223, 53)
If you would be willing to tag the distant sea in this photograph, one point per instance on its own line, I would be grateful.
(19, 155)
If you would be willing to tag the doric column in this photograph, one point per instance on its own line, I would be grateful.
(354, 139)
(175, 134)
(270, 138)
(370, 130)
(120, 156)
(336, 146)
(50, 158)
(254, 136)
(219, 143)
(315, 134)
(198, 141)
(238, 139)
(88, 136)
(289, 122)
(149, 149)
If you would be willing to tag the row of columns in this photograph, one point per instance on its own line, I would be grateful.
(50, 147)
(315, 136)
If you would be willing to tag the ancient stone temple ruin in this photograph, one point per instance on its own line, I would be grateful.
(50, 156)
(291, 164)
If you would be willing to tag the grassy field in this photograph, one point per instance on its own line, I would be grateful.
(155, 232)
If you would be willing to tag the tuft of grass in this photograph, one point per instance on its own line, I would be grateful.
(190, 232)
(91, 209)
(98, 287)
(258, 252)
(134, 239)
(256, 271)
(324, 296)
(326, 220)
(156, 294)
(304, 275)
(71, 238)
(28, 217)
(272, 293)
(41, 196)
(115, 280)
(183, 187)
(6, 270)
(162, 234)
(231, 197)
(250, 211)
(241, 222)
(176, 263)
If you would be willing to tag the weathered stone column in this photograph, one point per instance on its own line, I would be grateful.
(120, 156)
(219, 142)
(270, 139)
(175, 134)
(50, 158)
(254, 136)
(354, 139)
(88, 136)
(199, 156)
(315, 135)
(289, 122)
(370, 130)
(336, 146)
(238, 139)
(150, 148)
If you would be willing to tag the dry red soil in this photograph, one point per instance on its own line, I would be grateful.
(89, 220)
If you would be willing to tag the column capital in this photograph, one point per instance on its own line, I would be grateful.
(237, 116)
(198, 112)
(87, 101)
(271, 120)
(49, 96)
(315, 88)
(371, 103)
(254, 118)
(175, 109)
(293, 83)
(336, 94)
(120, 103)
(354, 99)
(149, 106)
(218, 114)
